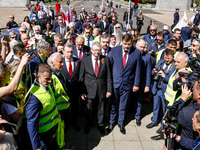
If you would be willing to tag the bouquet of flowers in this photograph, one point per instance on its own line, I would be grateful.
(32, 43)
(50, 36)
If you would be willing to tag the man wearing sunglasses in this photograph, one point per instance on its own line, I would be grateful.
(112, 26)
(11, 24)
(151, 37)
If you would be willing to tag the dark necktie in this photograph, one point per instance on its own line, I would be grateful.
(166, 68)
(80, 54)
(124, 60)
(104, 53)
(47, 89)
(70, 69)
(96, 67)
(88, 44)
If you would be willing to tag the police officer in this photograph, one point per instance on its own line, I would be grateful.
(196, 18)
(176, 18)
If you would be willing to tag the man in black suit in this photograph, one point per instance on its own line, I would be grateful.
(41, 22)
(104, 24)
(96, 84)
(61, 28)
(105, 41)
(70, 71)
(81, 50)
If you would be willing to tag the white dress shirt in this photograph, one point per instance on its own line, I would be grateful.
(94, 61)
(67, 64)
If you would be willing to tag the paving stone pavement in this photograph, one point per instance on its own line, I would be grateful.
(136, 138)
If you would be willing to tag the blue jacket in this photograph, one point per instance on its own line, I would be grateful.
(86, 51)
(148, 39)
(196, 19)
(165, 80)
(185, 33)
(129, 76)
(176, 17)
(156, 49)
(146, 70)
(78, 26)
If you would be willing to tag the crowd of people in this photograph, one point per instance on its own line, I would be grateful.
(52, 70)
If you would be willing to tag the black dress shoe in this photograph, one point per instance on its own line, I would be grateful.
(76, 126)
(122, 129)
(157, 137)
(110, 127)
(151, 125)
(138, 122)
(87, 129)
(102, 129)
(159, 131)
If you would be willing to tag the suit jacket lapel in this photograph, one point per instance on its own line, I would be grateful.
(75, 51)
(129, 57)
(65, 69)
(100, 64)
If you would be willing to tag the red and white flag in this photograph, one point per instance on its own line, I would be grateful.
(43, 6)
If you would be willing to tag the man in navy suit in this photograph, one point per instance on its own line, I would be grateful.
(96, 84)
(126, 63)
(81, 50)
(105, 40)
(145, 79)
(151, 37)
(61, 28)
(160, 84)
(78, 24)
(71, 71)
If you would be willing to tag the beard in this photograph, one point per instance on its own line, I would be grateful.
(118, 34)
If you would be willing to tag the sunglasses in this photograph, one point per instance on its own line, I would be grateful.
(23, 31)
(117, 27)
(13, 37)
(159, 40)
(152, 30)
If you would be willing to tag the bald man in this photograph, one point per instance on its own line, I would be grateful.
(81, 50)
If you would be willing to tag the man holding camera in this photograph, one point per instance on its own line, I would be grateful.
(162, 72)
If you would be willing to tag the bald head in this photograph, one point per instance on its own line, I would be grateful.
(79, 42)
(141, 45)
(24, 38)
(181, 60)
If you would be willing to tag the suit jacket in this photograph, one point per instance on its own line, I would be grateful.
(101, 26)
(57, 30)
(108, 51)
(165, 80)
(86, 51)
(90, 84)
(42, 23)
(72, 83)
(131, 74)
(78, 26)
(148, 39)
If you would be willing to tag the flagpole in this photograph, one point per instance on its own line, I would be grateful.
(129, 11)
(101, 6)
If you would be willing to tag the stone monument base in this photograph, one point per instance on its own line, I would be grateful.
(173, 4)
(12, 3)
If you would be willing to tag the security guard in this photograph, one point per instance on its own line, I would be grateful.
(196, 18)
(176, 18)
(41, 111)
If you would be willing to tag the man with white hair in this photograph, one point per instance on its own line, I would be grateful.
(118, 33)
(72, 27)
(37, 29)
(58, 41)
(58, 80)
(83, 14)
(168, 35)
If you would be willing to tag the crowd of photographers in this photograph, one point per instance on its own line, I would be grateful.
(96, 64)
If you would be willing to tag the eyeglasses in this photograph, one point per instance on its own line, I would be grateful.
(23, 31)
(153, 30)
(113, 19)
(13, 37)
(159, 39)
(117, 27)
(11, 17)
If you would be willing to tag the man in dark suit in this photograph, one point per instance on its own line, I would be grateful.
(58, 41)
(104, 24)
(81, 50)
(61, 28)
(41, 22)
(70, 71)
(96, 84)
(111, 28)
(126, 63)
(105, 40)
(78, 24)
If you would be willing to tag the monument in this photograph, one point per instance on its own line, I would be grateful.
(173, 4)
(12, 3)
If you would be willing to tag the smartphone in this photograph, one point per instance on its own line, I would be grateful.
(9, 127)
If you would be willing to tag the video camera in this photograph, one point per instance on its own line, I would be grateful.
(156, 75)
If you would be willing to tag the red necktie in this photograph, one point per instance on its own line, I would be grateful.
(70, 69)
(104, 53)
(96, 67)
(124, 60)
(80, 54)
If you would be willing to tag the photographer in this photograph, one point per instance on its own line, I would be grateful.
(194, 33)
(185, 136)
(161, 73)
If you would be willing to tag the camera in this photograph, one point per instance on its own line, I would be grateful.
(157, 76)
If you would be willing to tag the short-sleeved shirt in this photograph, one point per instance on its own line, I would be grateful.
(11, 25)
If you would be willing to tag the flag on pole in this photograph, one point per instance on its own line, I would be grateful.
(43, 6)
(182, 23)
(102, 7)
(64, 15)
(67, 17)
(136, 2)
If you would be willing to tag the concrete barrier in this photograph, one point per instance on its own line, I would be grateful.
(12, 3)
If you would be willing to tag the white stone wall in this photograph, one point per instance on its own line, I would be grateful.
(173, 4)
(12, 3)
